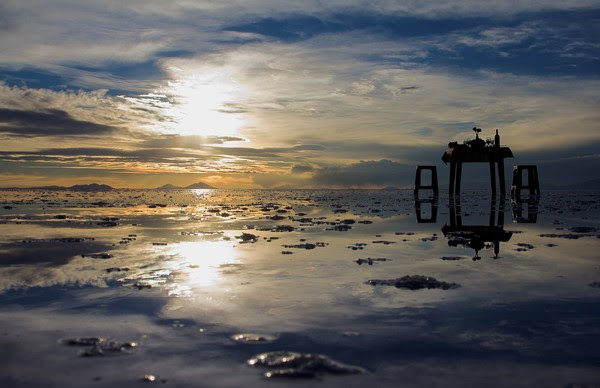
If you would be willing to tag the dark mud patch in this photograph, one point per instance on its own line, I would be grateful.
(524, 247)
(141, 286)
(451, 258)
(370, 261)
(102, 255)
(98, 346)
(414, 282)
(569, 236)
(357, 246)
(301, 365)
(384, 242)
(247, 238)
(340, 228)
(116, 269)
(282, 228)
(306, 245)
(253, 338)
(107, 224)
(583, 229)
(59, 240)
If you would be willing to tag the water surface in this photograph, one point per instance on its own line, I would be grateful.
(184, 287)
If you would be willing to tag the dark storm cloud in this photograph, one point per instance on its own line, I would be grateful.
(382, 173)
(412, 154)
(50, 122)
(563, 166)
(301, 168)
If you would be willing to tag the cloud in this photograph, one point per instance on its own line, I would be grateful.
(303, 85)
(364, 174)
(52, 122)
(301, 168)
(193, 141)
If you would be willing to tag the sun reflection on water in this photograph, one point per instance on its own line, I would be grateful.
(197, 265)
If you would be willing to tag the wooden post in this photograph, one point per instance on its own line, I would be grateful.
(417, 181)
(493, 177)
(458, 178)
(501, 176)
(452, 178)
(434, 181)
(501, 207)
(458, 212)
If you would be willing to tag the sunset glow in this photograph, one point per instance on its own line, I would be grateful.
(291, 95)
(201, 105)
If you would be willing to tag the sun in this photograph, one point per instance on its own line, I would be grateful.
(204, 104)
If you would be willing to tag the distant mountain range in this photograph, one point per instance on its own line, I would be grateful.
(95, 187)
(102, 188)
(195, 186)
(90, 187)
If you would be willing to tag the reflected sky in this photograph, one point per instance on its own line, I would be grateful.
(176, 274)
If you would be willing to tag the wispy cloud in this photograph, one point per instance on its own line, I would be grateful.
(294, 93)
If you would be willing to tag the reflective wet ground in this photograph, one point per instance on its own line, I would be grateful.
(323, 288)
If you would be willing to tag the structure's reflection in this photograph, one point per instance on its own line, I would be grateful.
(477, 237)
(421, 207)
(518, 205)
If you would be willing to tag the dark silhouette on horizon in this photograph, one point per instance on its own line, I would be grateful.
(533, 182)
(419, 181)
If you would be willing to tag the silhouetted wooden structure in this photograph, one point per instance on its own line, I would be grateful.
(419, 182)
(533, 182)
(419, 210)
(476, 151)
(518, 211)
(476, 236)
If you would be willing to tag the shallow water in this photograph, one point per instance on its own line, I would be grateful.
(183, 288)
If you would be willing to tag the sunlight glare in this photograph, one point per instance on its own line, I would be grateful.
(203, 104)
(199, 264)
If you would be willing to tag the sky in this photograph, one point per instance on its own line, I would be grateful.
(292, 94)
